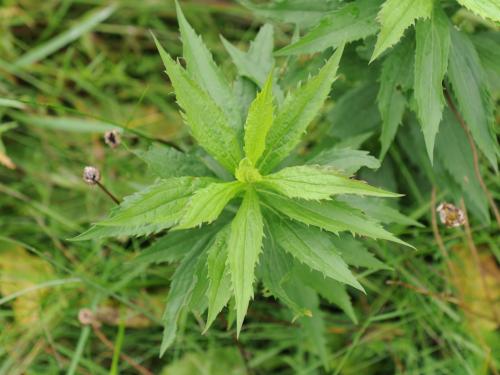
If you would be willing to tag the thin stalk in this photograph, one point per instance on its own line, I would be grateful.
(108, 193)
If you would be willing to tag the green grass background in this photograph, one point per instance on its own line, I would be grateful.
(71, 69)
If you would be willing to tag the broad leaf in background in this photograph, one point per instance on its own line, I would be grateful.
(345, 160)
(454, 153)
(353, 21)
(297, 112)
(330, 289)
(379, 210)
(204, 71)
(355, 253)
(255, 64)
(487, 46)
(395, 80)
(301, 12)
(484, 8)
(467, 78)
(431, 62)
(313, 333)
(356, 112)
(395, 17)
(244, 247)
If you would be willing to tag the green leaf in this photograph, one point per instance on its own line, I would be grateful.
(208, 124)
(296, 114)
(347, 161)
(471, 90)
(484, 8)
(353, 21)
(357, 106)
(245, 243)
(454, 153)
(275, 268)
(486, 44)
(312, 334)
(332, 216)
(431, 63)
(161, 203)
(317, 182)
(395, 17)
(207, 204)
(313, 248)
(181, 290)
(167, 162)
(356, 254)
(330, 289)
(175, 245)
(301, 12)
(203, 70)
(219, 290)
(97, 231)
(379, 210)
(396, 69)
(155, 208)
(259, 121)
(257, 63)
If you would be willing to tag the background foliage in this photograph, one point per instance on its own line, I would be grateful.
(69, 70)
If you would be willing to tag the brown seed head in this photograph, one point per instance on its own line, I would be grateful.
(112, 138)
(450, 215)
(91, 175)
(86, 317)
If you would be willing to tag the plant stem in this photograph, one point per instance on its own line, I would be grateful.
(108, 193)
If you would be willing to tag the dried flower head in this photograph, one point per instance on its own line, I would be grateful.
(91, 175)
(86, 317)
(450, 215)
(112, 138)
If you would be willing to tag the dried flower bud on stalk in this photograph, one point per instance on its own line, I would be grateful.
(91, 175)
(450, 215)
(112, 138)
(86, 317)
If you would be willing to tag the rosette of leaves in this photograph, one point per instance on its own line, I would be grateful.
(242, 215)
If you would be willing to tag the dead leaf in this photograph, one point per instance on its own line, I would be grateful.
(18, 271)
(6, 161)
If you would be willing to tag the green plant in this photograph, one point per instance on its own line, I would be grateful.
(247, 203)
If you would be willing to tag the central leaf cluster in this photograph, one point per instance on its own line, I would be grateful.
(247, 173)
